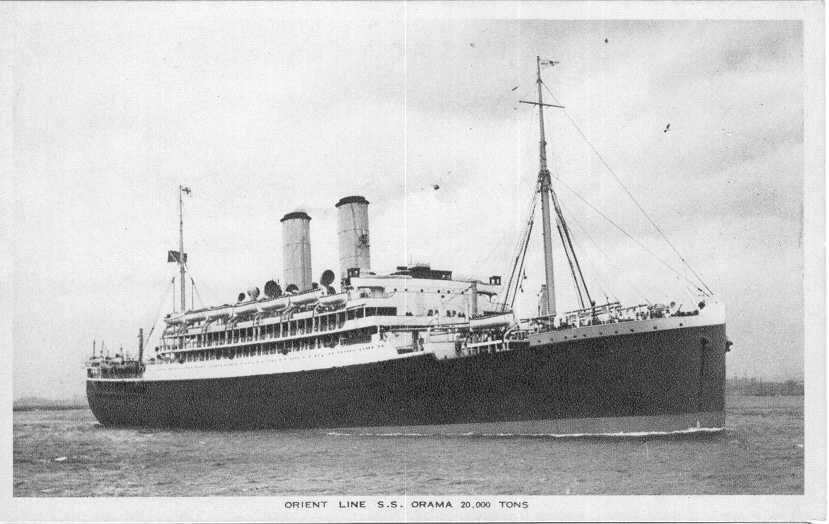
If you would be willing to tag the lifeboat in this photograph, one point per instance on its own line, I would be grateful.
(193, 317)
(333, 300)
(243, 310)
(305, 298)
(275, 305)
(492, 321)
(217, 313)
(174, 320)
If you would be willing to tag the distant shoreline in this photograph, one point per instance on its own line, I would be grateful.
(60, 406)
(49, 407)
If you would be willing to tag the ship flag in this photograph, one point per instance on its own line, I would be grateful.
(173, 256)
(549, 63)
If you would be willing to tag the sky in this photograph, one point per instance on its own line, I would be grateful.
(114, 106)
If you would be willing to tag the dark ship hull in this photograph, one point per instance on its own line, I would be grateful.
(669, 380)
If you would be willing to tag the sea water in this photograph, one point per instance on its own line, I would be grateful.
(68, 454)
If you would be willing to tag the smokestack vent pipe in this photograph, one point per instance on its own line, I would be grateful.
(296, 249)
(353, 235)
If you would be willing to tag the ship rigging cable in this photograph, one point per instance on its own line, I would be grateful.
(567, 243)
(516, 275)
(195, 288)
(620, 228)
(572, 269)
(518, 248)
(160, 306)
(629, 194)
(639, 293)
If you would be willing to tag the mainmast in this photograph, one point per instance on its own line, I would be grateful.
(545, 188)
(544, 183)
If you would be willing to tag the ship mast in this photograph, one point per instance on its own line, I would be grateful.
(544, 182)
(181, 190)
(545, 188)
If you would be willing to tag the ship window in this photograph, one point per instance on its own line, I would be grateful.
(360, 313)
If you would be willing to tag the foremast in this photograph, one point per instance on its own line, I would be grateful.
(548, 304)
(544, 182)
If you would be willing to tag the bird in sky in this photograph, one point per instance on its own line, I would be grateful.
(667, 128)
(605, 40)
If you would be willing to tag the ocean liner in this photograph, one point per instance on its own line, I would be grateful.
(417, 350)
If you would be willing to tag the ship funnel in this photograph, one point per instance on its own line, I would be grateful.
(352, 230)
(296, 250)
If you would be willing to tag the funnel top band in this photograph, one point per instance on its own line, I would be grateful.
(353, 199)
(296, 214)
